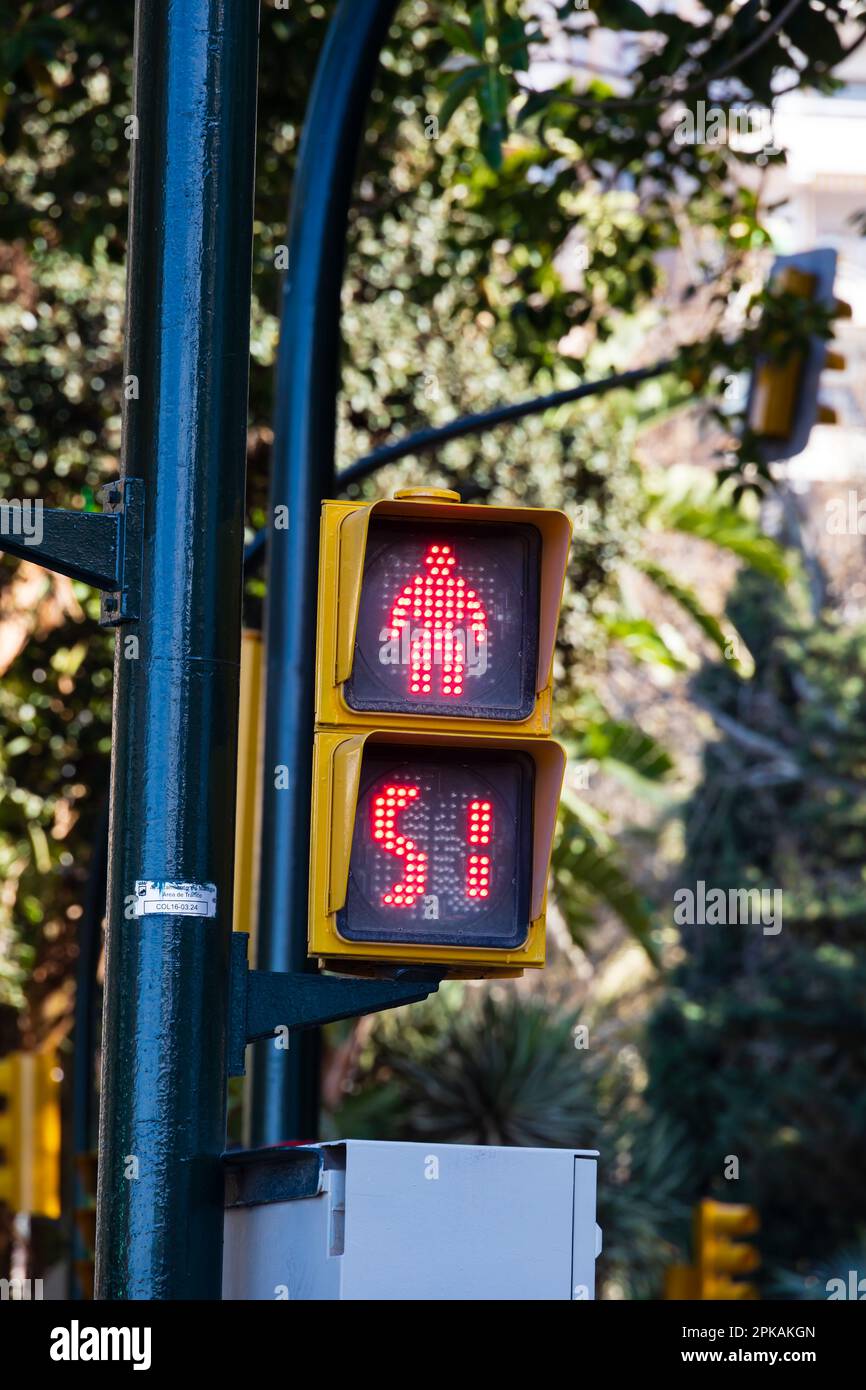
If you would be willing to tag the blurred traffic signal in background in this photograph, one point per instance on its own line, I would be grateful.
(10, 1127)
(30, 1132)
(435, 781)
(783, 402)
(722, 1255)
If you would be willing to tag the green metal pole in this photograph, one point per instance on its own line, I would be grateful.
(162, 1122)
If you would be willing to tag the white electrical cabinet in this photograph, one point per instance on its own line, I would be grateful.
(357, 1219)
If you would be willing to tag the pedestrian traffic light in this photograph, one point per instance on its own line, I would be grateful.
(435, 781)
(783, 402)
(721, 1252)
(30, 1133)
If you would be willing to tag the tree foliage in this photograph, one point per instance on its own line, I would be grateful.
(455, 299)
(758, 1049)
(505, 239)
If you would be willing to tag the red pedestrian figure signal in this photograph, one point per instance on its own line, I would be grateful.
(440, 616)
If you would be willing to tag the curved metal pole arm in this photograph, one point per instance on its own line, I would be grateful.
(284, 1089)
(433, 438)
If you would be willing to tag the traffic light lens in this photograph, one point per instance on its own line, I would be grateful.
(442, 848)
(448, 621)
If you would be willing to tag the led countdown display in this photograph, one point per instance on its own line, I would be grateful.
(442, 848)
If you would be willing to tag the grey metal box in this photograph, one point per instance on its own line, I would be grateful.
(358, 1219)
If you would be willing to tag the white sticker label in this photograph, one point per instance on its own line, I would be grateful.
(174, 899)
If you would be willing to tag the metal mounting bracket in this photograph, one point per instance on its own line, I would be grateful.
(262, 1001)
(99, 548)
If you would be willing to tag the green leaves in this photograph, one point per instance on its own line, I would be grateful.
(503, 49)
(492, 94)
(623, 15)
(483, 1068)
(463, 85)
(587, 868)
(27, 44)
(723, 635)
(460, 37)
(692, 501)
(478, 25)
(644, 641)
(615, 744)
(514, 44)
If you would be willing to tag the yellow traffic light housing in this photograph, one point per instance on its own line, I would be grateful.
(776, 385)
(382, 604)
(10, 1132)
(432, 897)
(30, 1133)
(435, 781)
(783, 401)
(721, 1252)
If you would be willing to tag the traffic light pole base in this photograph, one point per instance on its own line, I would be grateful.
(263, 1002)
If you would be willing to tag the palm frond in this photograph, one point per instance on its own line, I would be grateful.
(692, 501)
(625, 751)
(646, 642)
(722, 634)
(587, 869)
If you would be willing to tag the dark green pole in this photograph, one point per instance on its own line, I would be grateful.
(162, 1122)
(285, 1085)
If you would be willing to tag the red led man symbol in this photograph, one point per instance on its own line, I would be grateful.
(438, 610)
(386, 807)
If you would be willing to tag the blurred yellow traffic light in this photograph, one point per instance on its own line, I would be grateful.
(30, 1132)
(435, 781)
(776, 384)
(10, 1131)
(783, 397)
(721, 1252)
